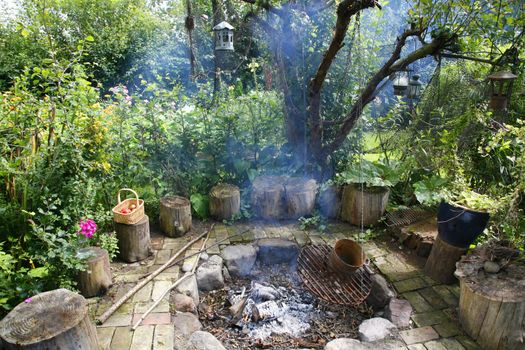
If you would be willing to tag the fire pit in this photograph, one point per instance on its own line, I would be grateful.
(329, 285)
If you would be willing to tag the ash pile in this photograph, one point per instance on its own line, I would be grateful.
(263, 310)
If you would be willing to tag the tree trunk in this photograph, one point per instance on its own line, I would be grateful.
(133, 240)
(441, 263)
(225, 201)
(52, 320)
(175, 216)
(268, 197)
(300, 197)
(492, 306)
(96, 279)
(363, 207)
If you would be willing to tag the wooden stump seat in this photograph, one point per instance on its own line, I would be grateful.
(52, 320)
(225, 201)
(441, 263)
(175, 215)
(367, 206)
(492, 306)
(96, 278)
(133, 240)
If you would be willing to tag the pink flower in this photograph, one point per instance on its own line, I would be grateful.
(88, 228)
(28, 300)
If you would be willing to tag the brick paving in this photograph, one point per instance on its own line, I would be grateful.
(434, 320)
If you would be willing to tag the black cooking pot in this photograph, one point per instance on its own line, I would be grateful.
(460, 226)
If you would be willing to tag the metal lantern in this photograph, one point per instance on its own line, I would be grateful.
(500, 89)
(223, 36)
(414, 87)
(400, 83)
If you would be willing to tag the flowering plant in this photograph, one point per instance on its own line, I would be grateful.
(88, 228)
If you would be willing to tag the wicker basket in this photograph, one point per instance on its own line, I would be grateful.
(130, 218)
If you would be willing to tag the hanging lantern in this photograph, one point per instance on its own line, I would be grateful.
(500, 89)
(223, 36)
(414, 87)
(400, 83)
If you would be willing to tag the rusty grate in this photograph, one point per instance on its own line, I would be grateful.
(326, 284)
(405, 217)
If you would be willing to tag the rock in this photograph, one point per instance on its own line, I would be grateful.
(186, 324)
(380, 293)
(209, 274)
(375, 328)
(491, 267)
(226, 274)
(189, 287)
(183, 303)
(204, 341)
(345, 344)
(239, 259)
(204, 256)
(277, 251)
(399, 311)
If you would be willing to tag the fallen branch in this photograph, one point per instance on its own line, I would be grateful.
(200, 251)
(179, 281)
(102, 318)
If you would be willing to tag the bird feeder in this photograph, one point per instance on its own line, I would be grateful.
(223, 36)
(400, 83)
(500, 89)
(414, 87)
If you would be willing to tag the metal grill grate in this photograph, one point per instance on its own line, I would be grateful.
(328, 285)
(405, 217)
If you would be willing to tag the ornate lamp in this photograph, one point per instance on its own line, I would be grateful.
(400, 83)
(414, 87)
(500, 89)
(223, 36)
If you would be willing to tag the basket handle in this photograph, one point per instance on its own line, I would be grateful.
(127, 189)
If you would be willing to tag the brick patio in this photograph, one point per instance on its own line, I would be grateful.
(435, 324)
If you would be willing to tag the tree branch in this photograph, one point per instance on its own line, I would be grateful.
(394, 64)
(345, 11)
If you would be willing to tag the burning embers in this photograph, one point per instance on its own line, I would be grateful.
(263, 310)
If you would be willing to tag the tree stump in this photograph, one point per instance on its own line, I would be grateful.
(268, 197)
(441, 263)
(330, 202)
(492, 306)
(175, 216)
(300, 194)
(367, 206)
(96, 278)
(225, 201)
(133, 240)
(52, 320)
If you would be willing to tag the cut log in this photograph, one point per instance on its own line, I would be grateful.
(225, 201)
(52, 320)
(133, 240)
(300, 194)
(175, 216)
(363, 207)
(330, 201)
(268, 197)
(96, 278)
(492, 306)
(441, 263)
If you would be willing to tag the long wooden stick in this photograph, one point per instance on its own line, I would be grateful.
(179, 281)
(200, 251)
(102, 318)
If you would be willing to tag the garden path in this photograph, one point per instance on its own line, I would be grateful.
(434, 321)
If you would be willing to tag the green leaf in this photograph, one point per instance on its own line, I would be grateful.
(24, 32)
(90, 38)
(39, 272)
(199, 204)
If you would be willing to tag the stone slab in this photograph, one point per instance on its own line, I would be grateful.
(122, 338)
(409, 285)
(418, 302)
(142, 338)
(163, 337)
(419, 335)
(430, 318)
(105, 334)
